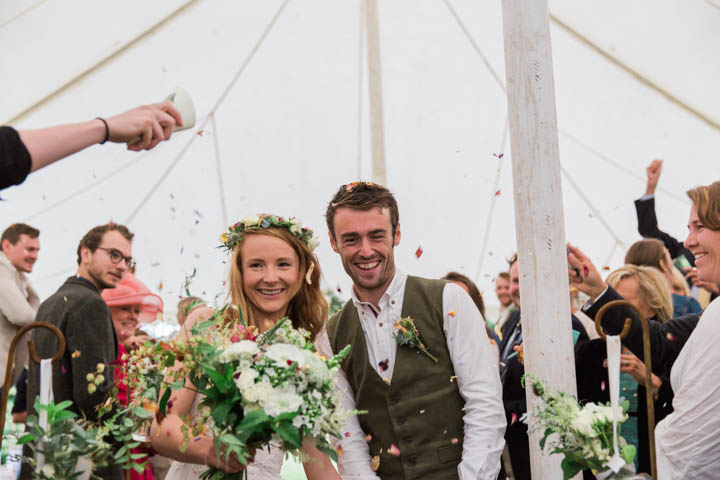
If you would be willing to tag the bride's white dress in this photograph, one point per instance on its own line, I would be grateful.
(268, 462)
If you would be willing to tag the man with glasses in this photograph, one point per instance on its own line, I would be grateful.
(81, 314)
(20, 245)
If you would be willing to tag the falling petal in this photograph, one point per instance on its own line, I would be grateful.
(393, 450)
(513, 419)
(63, 369)
(422, 411)
(454, 441)
(605, 267)
(602, 385)
(75, 354)
(452, 313)
(368, 437)
(418, 252)
(497, 193)
(200, 132)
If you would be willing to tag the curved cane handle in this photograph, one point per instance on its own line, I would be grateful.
(33, 355)
(601, 313)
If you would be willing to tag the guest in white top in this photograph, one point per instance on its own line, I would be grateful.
(688, 440)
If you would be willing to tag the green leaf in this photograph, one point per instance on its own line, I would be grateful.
(27, 438)
(289, 433)
(164, 400)
(140, 412)
(548, 432)
(221, 411)
(327, 450)
(63, 405)
(253, 419)
(570, 468)
(628, 453)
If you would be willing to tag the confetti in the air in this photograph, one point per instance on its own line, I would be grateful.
(393, 450)
(418, 252)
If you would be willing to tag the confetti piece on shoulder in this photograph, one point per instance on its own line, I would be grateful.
(347, 434)
(602, 385)
(670, 336)
(75, 354)
(393, 450)
(513, 419)
(418, 252)
(63, 369)
(454, 440)
(375, 463)
(65, 298)
(368, 437)
(452, 313)
(452, 379)
(422, 411)
(386, 380)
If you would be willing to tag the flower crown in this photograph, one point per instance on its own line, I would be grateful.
(234, 234)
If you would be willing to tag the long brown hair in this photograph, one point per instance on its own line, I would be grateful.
(308, 308)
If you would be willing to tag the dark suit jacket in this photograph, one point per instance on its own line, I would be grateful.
(666, 339)
(648, 228)
(81, 314)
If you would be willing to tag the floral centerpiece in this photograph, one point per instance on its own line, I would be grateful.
(582, 434)
(255, 387)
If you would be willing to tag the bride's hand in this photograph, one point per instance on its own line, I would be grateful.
(217, 459)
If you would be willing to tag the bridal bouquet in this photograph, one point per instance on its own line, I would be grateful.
(582, 434)
(255, 387)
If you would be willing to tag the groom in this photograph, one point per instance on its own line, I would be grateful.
(426, 419)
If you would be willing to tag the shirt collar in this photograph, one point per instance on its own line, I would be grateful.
(393, 293)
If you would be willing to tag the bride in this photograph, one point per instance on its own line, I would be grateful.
(273, 274)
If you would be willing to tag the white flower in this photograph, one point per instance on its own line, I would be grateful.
(282, 353)
(242, 349)
(259, 392)
(296, 226)
(284, 400)
(246, 380)
(313, 243)
(584, 421)
(48, 470)
(250, 220)
(315, 369)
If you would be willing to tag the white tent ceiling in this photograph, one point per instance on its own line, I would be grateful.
(633, 82)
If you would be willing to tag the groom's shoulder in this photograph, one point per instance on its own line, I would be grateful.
(426, 286)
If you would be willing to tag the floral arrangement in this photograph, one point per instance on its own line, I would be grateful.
(255, 387)
(68, 448)
(234, 234)
(582, 434)
(407, 334)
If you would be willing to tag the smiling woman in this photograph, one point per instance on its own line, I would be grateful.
(687, 443)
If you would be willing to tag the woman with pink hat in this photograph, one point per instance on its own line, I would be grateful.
(131, 304)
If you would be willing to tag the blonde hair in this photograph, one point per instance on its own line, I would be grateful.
(707, 203)
(307, 309)
(653, 287)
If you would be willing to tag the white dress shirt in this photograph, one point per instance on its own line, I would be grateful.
(475, 370)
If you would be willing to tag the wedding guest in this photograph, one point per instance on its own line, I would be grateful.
(646, 289)
(273, 274)
(507, 307)
(652, 253)
(444, 417)
(79, 311)
(130, 303)
(512, 370)
(20, 245)
(25, 151)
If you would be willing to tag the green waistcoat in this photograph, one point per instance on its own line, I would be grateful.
(421, 410)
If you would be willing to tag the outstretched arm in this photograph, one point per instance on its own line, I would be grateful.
(152, 123)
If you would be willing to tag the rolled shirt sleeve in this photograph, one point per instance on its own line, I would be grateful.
(479, 384)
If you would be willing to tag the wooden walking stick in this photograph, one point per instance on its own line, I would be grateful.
(649, 389)
(33, 356)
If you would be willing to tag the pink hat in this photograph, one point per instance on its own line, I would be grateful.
(131, 291)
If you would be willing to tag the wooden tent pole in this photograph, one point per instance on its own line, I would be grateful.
(539, 215)
(377, 127)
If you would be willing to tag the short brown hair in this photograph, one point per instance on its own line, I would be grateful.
(504, 276)
(707, 203)
(93, 238)
(649, 252)
(362, 196)
(13, 232)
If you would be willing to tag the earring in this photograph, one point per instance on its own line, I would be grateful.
(308, 275)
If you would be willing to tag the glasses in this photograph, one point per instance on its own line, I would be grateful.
(116, 256)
